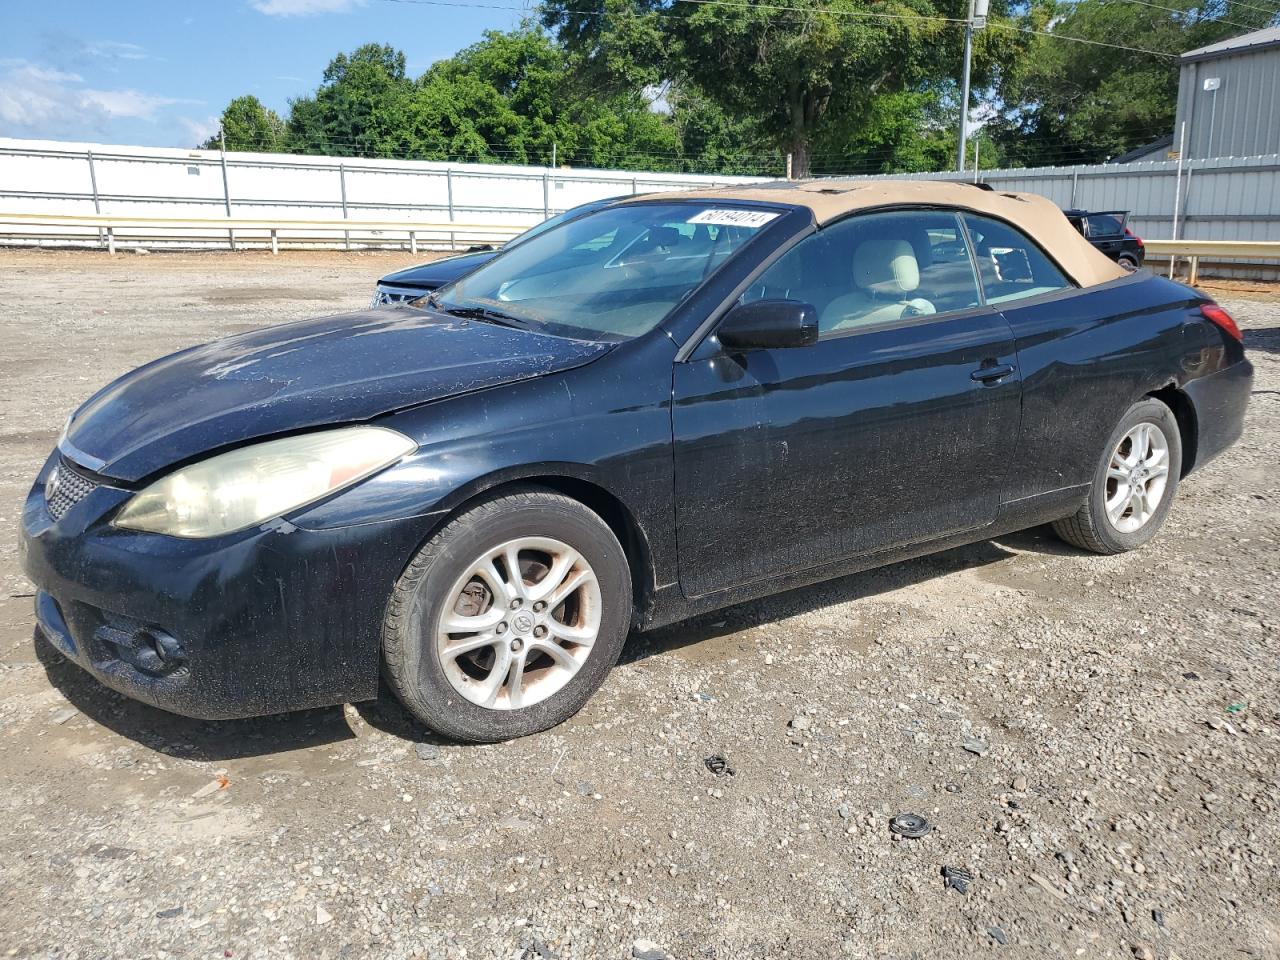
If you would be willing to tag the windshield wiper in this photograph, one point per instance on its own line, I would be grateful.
(485, 313)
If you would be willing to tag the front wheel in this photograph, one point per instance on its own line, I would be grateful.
(1133, 485)
(508, 619)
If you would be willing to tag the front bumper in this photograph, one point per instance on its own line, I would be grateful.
(267, 620)
(1220, 400)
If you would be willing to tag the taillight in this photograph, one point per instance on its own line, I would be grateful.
(1222, 320)
(1133, 236)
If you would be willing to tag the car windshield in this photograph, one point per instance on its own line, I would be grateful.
(610, 275)
(555, 221)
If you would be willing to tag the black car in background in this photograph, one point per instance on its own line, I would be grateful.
(1108, 230)
(412, 282)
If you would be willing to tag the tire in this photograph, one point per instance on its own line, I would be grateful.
(1128, 262)
(464, 696)
(1092, 527)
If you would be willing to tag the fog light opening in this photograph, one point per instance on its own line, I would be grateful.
(167, 652)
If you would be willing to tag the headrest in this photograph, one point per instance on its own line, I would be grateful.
(663, 236)
(886, 266)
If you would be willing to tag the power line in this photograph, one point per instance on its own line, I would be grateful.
(1095, 43)
(1156, 6)
(1270, 12)
(919, 18)
(812, 10)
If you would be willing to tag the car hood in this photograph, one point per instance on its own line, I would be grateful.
(439, 272)
(330, 370)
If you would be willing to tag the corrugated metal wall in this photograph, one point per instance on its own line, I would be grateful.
(1242, 117)
(1228, 198)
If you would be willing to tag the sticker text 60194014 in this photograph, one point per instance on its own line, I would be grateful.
(734, 218)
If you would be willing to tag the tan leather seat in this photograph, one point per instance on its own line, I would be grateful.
(885, 273)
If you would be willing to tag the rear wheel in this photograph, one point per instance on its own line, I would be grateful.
(1128, 261)
(508, 620)
(1133, 485)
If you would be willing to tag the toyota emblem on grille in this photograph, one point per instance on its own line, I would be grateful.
(52, 484)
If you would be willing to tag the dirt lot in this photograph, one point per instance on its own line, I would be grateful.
(1096, 740)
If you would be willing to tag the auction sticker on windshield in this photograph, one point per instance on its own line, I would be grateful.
(733, 218)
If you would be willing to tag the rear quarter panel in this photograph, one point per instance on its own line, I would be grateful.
(1086, 357)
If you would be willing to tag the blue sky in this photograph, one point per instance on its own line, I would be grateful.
(158, 72)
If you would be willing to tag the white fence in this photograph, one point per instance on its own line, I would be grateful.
(55, 178)
(1229, 198)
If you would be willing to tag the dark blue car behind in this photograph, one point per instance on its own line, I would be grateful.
(413, 282)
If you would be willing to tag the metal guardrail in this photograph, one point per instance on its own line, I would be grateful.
(1193, 250)
(37, 226)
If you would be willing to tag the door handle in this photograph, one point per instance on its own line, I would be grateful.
(990, 374)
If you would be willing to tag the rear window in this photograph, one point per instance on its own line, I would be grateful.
(1105, 224)
(1011, 265)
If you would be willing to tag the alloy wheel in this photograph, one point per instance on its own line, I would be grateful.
(521, 623)
(1136, 477)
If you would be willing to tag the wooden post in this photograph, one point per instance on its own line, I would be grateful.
(111, 241)
(413, 241)
(275, 245)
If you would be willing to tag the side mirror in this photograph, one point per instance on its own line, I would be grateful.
(768, 324)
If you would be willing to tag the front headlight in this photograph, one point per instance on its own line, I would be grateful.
(239, 489)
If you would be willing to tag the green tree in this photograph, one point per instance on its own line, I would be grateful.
(713, 141)
(1070, 102)
(806, 73)
(514, 96)
(248, 125)
(360, 109)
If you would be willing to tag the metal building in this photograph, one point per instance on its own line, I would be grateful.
(1229, 97)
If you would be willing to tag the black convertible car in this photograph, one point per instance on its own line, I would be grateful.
(660, 408)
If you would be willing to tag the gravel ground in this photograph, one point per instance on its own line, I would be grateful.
(1095, 740)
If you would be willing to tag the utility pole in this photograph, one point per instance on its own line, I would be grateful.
(977, 20)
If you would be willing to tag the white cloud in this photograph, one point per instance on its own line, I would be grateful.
(116, 50)
(39, 101)
(126, 103)
(303, 8)
(200, 130)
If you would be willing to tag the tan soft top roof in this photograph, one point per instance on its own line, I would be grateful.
(1033, 214)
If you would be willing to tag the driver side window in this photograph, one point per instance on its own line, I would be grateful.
(876, 269)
